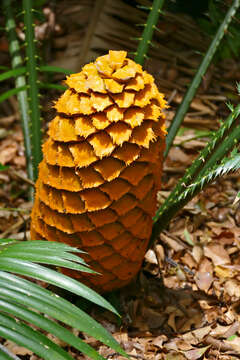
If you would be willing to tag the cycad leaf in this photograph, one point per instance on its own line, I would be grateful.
(48, 325)
(39, 272)
(11, 92)
(40, 252)
(25, 293)
(40, 245)
(200, 162)
(24, 335)
(35, 297)
(55, 69)
(12, 73)
(227, 165)
(48, 259)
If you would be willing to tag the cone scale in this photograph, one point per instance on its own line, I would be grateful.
(101, 169)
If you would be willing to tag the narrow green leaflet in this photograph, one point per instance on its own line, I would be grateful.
(227, 165)
(3, 167)
(150, 26)
(52, 277)
(24, 335)
(35, 297)
(40, 245)
(47, 259)
(48, 325)
(55, 69)
(45, 253)
(206, 61)
(14, 258)
(201, 162)
(17, 62)
(27, 268)
(11, 92)
(12, 73)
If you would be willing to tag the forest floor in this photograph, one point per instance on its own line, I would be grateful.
(194, 313)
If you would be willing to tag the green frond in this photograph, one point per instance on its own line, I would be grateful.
(7, 94)
(145, 41)
(237, 198)
(12, 73)
(227, 165)
(33, 90)
(183, 108)
(20, 82)
(208, 157)
(22, 300)
(238, 88)
(54, 69)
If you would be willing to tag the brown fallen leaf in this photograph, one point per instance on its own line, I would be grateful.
(195, 354)
(196, 336)
(175, 356)
(217, 254)
(8, 153)
(234, 342)
(150, 257)
(16, 349)
(159, 340)
(232, 288)
(176, 154)
(232, 329)
(206, 266)
(219, 331)
(224, 273)
(197, 253)
(152, 318)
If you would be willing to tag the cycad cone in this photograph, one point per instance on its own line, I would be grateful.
(102, 167)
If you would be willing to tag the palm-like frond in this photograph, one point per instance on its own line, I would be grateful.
(227, 165)
(30, 303)
(200, 164)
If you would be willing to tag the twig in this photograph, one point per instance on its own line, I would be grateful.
(25, 179)
(159, 266)
(13, 227)
(133, 356)
(218, 344)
